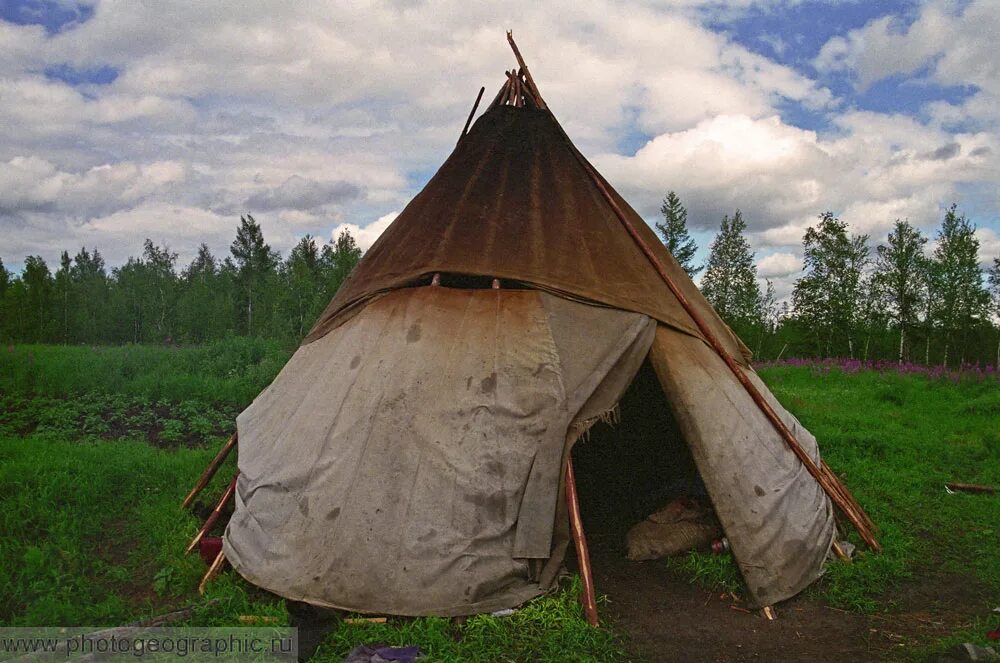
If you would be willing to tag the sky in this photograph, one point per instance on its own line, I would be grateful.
(122, 120)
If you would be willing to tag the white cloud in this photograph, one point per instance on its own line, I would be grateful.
(779, 265)
(365, 235)
(989, 246)
(316, 115)
(953, 41)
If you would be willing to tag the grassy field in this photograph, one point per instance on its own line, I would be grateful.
(99, 445)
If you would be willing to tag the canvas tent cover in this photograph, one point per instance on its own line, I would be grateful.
(409, 457)
(409, 462)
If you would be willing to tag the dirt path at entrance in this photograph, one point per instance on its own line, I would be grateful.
(667, 617)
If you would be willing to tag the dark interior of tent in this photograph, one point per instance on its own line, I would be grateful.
(628, 468)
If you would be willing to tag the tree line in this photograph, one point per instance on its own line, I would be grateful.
(149, 299)
(896, 302)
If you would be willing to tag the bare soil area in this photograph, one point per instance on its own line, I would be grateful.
(666, 617)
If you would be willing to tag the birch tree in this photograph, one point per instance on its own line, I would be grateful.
(828, 297)
(994, 285)
(960, 301)
(900, 277)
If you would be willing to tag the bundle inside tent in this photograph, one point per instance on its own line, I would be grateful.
(414, 455)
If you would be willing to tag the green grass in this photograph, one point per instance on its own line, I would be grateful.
(548, 629)
(93, 529)
(95, 536)
(232, 371)
(896, 440)
(93, 533)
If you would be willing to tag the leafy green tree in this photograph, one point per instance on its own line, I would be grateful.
(960, 302)
(255, 264)
(161, 286)
(129, 300)
(5, 279)
(730, 280)
(38, 296)
(900, 277)
(338, 261)
(872, 319)
(827, 299)
(303, 280)
(90, 281)
(994, 285)
(673, 231)
(63, 287)
(9, 308)
(203, 308)
(770, 316)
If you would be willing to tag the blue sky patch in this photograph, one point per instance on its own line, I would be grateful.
(54, 16)
(70, 75)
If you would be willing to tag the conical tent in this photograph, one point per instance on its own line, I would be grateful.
(411, 456)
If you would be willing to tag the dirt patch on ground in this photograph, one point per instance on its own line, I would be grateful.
(114, 547)
(164, 424)
(667, 617)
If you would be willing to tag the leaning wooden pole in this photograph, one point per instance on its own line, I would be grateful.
(215, 515)
(213, 571)
(589, 598)
(528, 80)
(212, 468)
(472, 113)
(837, 492)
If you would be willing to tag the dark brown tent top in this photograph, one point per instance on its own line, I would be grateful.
(514, 201)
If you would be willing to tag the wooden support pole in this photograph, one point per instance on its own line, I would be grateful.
(588, 598)
(212, 468)
(511, 89)
(472, 113)
(500, 94)
(528, 80)
(213, 571)
(216, 513)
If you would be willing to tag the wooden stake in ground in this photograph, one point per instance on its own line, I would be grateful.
(972, 488)
(212, 468)
(588, 598)
(839, 552)
(213, 571)
(216, 513)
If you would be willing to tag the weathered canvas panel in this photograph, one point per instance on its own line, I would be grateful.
(778, 519)
(408, 462)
